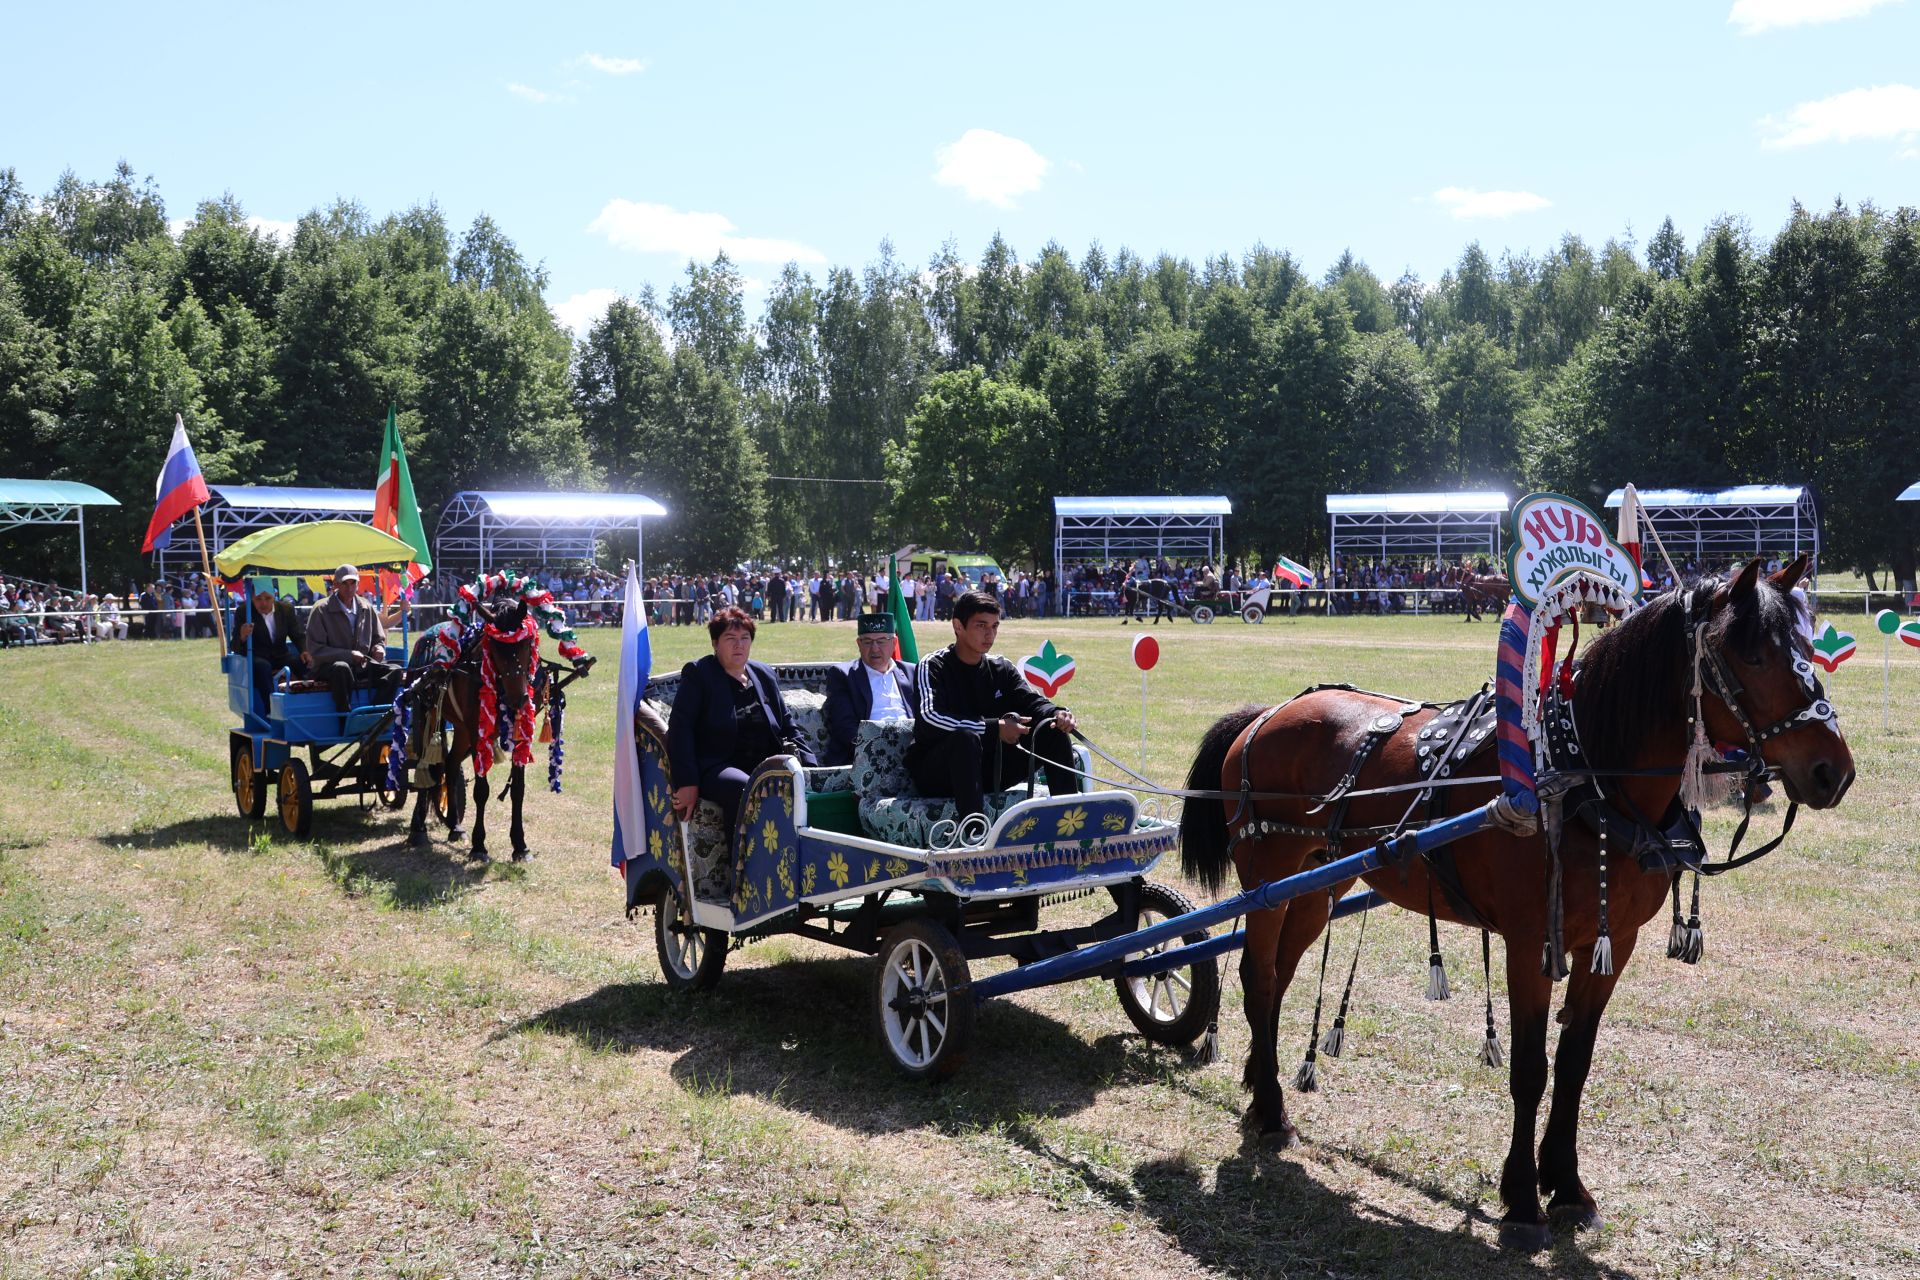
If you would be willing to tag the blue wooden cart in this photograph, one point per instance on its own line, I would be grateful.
(850, 857)
(299, 745)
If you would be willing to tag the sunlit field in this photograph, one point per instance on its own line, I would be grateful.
(224, 1052)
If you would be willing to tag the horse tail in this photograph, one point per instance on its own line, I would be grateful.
(1203, 823)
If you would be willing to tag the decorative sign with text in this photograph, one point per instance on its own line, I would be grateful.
(1552, 538)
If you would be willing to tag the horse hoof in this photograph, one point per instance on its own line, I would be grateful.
(521, 855)
(1574, 1217)
(419, 840)
(477, 855)
(1526, 1237)
(456, 834)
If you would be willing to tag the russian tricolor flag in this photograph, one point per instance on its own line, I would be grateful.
(179, 490)
(636, 664)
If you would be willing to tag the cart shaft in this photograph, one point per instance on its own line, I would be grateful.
(1193, 953)
(1262, 897)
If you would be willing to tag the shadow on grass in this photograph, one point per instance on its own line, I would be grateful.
(800, 1035)
(385, 867)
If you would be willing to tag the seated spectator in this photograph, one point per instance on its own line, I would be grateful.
(347, 641)
(728, 717)
(268, 631)
(871, 687)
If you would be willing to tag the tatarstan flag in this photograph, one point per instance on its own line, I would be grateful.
(395, 510)
(905, 648)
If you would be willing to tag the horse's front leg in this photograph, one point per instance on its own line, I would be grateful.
(417, 835)
(1571, 1205)
(478, 853)
(1529, 996)
(517, 788)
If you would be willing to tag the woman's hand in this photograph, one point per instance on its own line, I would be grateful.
(684, 799)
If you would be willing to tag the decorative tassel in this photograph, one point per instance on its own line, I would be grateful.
(1694, 939)
(1307, 1078)
(1700, 790)
(1335, 1039)
(1490, 1054)
(1677, 935)
(557, 750)
(1437, 988)
(1603, 945)
(1208, 1052)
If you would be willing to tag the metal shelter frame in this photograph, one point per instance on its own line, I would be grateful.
(233, 511)
(481, 528)
(25, 503)
(1441, 525)
(1746, 520)
(1084, 528)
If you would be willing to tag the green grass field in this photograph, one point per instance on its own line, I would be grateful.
(226, 1053)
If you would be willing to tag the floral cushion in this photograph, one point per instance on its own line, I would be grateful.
(808, 711)
(910, 820)
(880, 758)
(836, 778)
(712, 853)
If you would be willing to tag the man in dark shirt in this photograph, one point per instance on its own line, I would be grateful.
(967, 693)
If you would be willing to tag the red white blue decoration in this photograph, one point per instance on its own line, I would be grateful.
(1832, 647)
(179, 489)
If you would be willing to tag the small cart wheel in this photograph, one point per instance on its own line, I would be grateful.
(390, 797)
(249, 784)
(1177, 1006)
(691, 957)
(296, 799)
(1253, 613)
(1202, 614)
(923, 1000)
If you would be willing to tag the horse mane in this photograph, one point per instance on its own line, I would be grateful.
(1635, 679)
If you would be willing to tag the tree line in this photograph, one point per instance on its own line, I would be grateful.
(947, 404)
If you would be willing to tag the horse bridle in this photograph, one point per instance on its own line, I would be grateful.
(1719, 676)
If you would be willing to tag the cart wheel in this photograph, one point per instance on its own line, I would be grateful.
(923, 1000)
(296, 799)
(691, 957)
(1253, 613)
(1177, 1006)
(390, 797)
(249, 784)
(1202, 614)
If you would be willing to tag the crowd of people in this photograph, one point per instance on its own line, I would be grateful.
(46, 613)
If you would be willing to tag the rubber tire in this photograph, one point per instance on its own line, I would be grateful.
(296, 794)
(955, 981)
(1202, 615)
(1253, 614)
(252, 806)
(705, 971)
(1203, 997)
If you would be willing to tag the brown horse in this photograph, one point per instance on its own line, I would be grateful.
(1631, 704)
(461, 711)
(1483, 592)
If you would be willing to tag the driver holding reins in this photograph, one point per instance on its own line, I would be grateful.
(967, 692)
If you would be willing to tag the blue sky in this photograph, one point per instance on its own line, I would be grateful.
(612, 141)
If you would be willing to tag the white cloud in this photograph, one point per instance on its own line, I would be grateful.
(659, 228)
(1465, 202)
(580, 311)
(1890, 111)
(528, 93)
(1755, 16)
(611, 66)
(990, 166)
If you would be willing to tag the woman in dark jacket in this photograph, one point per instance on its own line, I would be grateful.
(727, 718)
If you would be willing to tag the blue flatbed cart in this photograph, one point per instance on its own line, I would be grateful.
(301, 746)
(848, 857)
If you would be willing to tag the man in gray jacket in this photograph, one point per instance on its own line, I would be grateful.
(346, 641)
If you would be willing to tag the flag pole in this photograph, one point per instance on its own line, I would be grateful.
(213, 587)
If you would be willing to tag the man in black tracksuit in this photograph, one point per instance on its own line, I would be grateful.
(968, 693)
